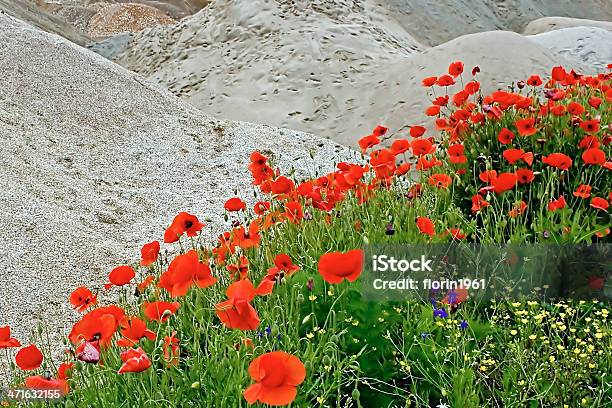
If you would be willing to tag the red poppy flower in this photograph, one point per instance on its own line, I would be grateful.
(429, 81)
(525, 176)
(590, 126)
(559, 73)
(426, 226)
(574, 108)
(99, 325)
(440, 180)
(558, 160)
(583, 191)
(600, 203)
(261, 207)
(120, 276)
(402, 169)
(505, 136)
(134, 361)
(455, 68)
(82, 299)
(488, 176)
(504, 182)
(276, 375)
(146, 282)
(29, 358)
(149, 253)
(595, 102)
(526, 127)
(6, 341)
(282, 185)
(379, 130)
(334, 267)
(456, 154)
(557, 204)
(558, 110)
(518, 209)
(478, 203)
(534, 80)
(284, 263)
(133, 329)
(182, 223)
(475, 70)
(513, 155)
(43, 383)
(445, 80)
(171, 349)
(160, 311)
(472, 87)
(368, 142)
(234, 204)
(400, 146)
(593, 157)
(589, 142)
(246, 239)
(456, 234)
(433, 110)
(421, 147)
(417, 131)
(185, 271)
(460, 98)
(237, 312)
(294, 212)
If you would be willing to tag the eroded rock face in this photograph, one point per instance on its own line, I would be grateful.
(95, 161)
(125, 17)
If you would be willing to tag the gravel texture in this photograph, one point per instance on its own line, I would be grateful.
(95, 161)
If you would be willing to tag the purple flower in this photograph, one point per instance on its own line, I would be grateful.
(440, 313)
(268, 330)
(463, 325)
(424, 336)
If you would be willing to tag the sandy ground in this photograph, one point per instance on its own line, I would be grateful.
(591, 45)
(436, 21)
(95, 161)
(546, 24)
(336, 72)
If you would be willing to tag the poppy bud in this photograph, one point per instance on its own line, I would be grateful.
(300, 298)
(310, 284)
(356, 394)
(520, 84)
(307, 318)
(308, 366)
(326, 360)
(334, 339)
(389, 229)
(366, 240)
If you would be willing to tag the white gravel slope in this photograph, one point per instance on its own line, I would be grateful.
(94, 162)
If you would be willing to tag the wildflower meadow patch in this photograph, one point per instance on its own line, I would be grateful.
(276, 313)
